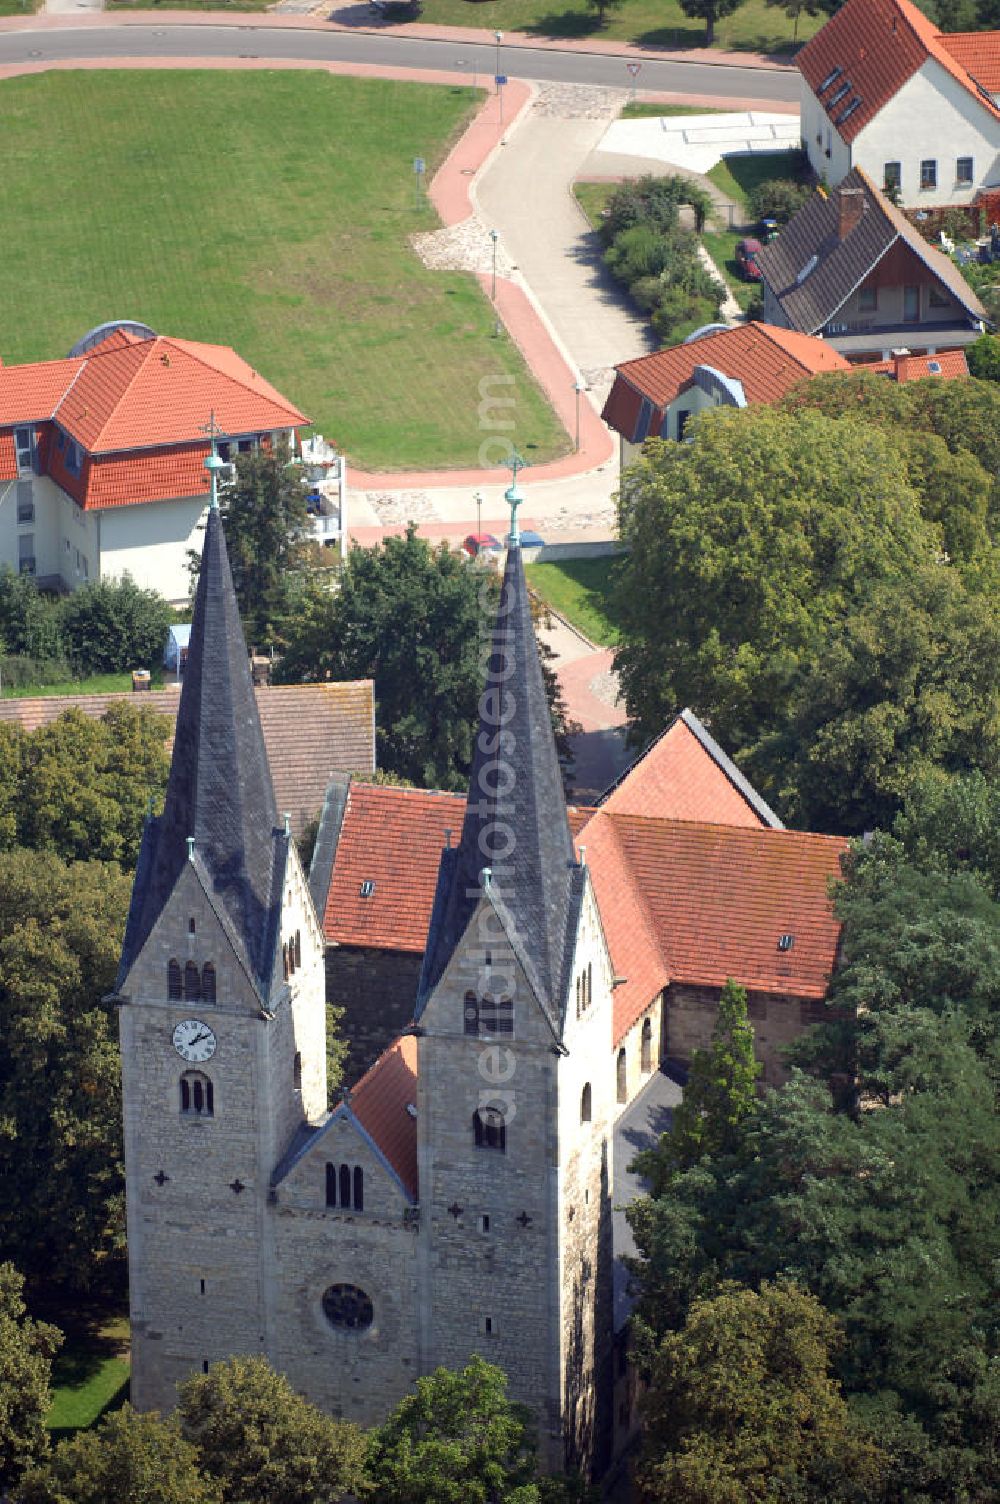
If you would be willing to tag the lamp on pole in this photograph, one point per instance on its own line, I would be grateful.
(478, 499)
(499, 38)
(578, 387)
(494, 236)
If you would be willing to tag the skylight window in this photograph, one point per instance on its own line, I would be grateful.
(855, 104)
(934, 366)
(810, 266)
(367, 888)
(841, 93)
(829, 79)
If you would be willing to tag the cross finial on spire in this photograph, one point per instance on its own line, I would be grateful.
(213, 464)
(514, 496)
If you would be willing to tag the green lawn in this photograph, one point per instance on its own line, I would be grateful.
(644, 109)
(97, 684)
(739, 175)
(18, 7)
(89, 1377)
(580, 590)
(269, 211)
(592, 198)
(721, 246)
(755, 26)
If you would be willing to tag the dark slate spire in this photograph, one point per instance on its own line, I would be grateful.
(219, 809)
(515, 820)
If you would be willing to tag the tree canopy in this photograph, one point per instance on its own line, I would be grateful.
(742, 1407)
(264, 1444)
(60, 1114)
(26, 1351)
(787, 577)
(129, 1458)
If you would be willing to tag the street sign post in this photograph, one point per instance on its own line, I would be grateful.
(419, 168)
(634, 69)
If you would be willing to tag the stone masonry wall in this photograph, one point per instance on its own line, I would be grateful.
(776, 1019)
(378, 990)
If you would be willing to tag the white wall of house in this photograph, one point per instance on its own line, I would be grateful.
(689, 403)
(77, 541)
(933, 118)
(829, 156)
(150, 541)
(30, 510)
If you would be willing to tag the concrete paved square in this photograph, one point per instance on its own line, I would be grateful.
(697, 142)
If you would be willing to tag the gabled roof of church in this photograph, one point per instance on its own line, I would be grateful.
(515, 822)
(219, 793)
(685, 775)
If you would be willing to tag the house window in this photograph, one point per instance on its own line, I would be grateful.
(892, 177)
(197, 1095)
(928, 173)
(682, 422)
(244, 446)
(868, 300)
(208, 982)
(646, 1046)
(24, 448)
(964, 172)
(175, 981)
(490, 1129)
(347, 1307)
(622, 1076)
(938, 298)
(72, 457)
(26, 553)
(192, 982)
(25, 502)
(297, 1071)
(586, 1104)
(911, 305)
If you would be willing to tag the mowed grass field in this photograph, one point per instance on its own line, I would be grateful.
(269, 211)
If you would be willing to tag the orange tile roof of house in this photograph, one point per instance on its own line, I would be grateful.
(312, 732)
(720, 897)
(33, 392)
(948, 365)
(380, 1102)
(876, 46)
(765, 360)
(978, 53)
(685, 775)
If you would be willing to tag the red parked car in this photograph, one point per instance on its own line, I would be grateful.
(746, 259)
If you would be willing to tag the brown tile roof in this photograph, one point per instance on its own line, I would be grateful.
(160, 474)
(311, 731)
(978, 53)
(766, 360)
(948, 365)
(34, 391)
(813, 272)
(876, 46)
(684, 775)
(380, 1101)
(720, 898)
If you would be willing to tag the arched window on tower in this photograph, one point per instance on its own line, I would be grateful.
(579, 996)
(359, 1189)
(345, 1185)
(646, 1060)
(197, 1095)
(297, 1071)
(298, 949)
(586, 1104)
(622, 1076)
(490, 1129)
(284, 961)
(590, 983)
(192, 983)
(208, 982)
(175, 980)
(331, 1185)
(471, 1013)
(496, 1015)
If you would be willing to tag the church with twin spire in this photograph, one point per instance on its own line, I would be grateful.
(457, 1198)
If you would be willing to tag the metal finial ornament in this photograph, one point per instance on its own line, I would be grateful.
(514, 496)
(213, 463)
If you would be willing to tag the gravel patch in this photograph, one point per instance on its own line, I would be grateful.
(461, 248)
(579, 101)
(606, 688)
(401, 506)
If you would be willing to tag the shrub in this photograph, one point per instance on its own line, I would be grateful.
(984, 358)
(29, 621)
(20, 672)
(113, 625)
(637, 253)
(778, 199)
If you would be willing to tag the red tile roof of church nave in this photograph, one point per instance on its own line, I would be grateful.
(678, 778)
(381, 1102)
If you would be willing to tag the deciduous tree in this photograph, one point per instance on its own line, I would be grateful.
(709, 11)
(113, 625)
(264, 1444)
(26, 1351)
(457, 1439)
(742, 1407)
(130, 1458)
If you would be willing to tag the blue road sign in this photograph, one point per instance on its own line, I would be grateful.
(500, 79)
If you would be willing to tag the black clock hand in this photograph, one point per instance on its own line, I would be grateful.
(198, 1039)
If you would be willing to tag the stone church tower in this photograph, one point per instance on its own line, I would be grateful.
(458, 1199)
(222, 1019)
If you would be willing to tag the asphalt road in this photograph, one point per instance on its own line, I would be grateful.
(549, 66)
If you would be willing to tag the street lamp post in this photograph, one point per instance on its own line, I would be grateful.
(499, 38)
(578, 387)
(494, 236)
(478, 499)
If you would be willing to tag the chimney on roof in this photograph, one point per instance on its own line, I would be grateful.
(850, 207)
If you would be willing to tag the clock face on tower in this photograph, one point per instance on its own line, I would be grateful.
(194, 1041)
